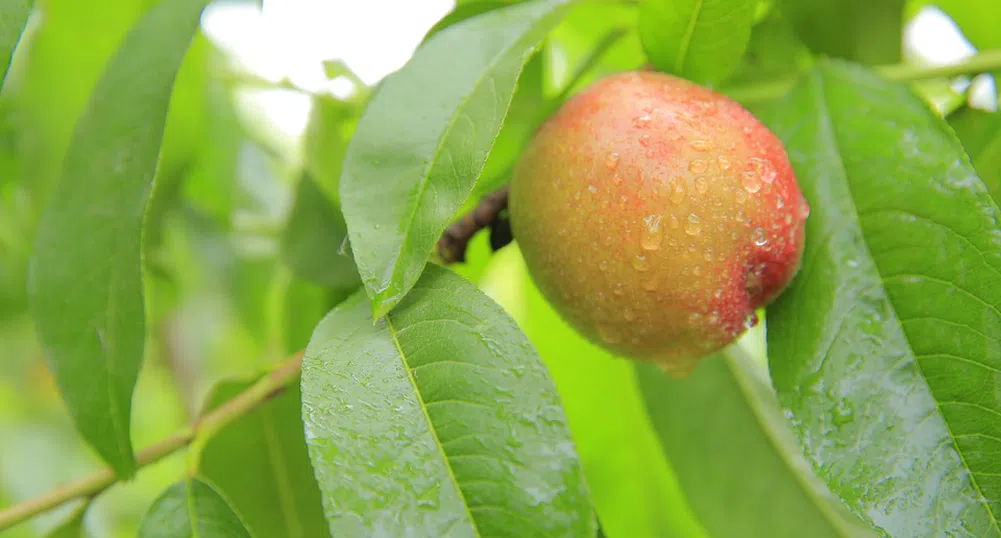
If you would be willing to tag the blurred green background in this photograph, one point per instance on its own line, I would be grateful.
(262, 110)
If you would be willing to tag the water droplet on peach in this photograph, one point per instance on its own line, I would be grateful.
(641, 121)
(693, 225)
(701, 184)
(698, 166)
(650, 240)
(641, 263)
(751, 181)
(592, 189)
(724, 162)
(612, 161)
(678, 194)
(759, 237)
(703, 145)
(628, 315)
(650, 284)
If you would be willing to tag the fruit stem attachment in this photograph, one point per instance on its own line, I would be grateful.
(91, 485)
(453, 243)
(982, 62)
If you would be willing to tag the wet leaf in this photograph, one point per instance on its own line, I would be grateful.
(86, 278)
(724, 434)
(438, 419)
(424, 139)
(885, 350)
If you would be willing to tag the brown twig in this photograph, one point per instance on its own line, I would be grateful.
(89, 486)
(453, 243)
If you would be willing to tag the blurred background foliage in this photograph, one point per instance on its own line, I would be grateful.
(243, 235)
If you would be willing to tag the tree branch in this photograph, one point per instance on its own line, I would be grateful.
(89, 486)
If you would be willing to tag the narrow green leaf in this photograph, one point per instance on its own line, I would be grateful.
(13, 18)
(867, 31)
(438, 419)
(86, 278)
(313, 243)
(462, 12)
(980, 132)
(260, 462)
(192, 508)
(885, 350)
(724, 433)
(701, 40)
(424, 138)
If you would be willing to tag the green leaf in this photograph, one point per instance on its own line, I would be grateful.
(260, 462)
(633, 489)
(331, 124)
(886, 348)
(314, 240)
(424, 138)
(438, 419)
(701, 40)
(980, 133)
(13, 18)
(192, 508)
(72, 527)
(87, 290)
(724, 433)
(867, 31)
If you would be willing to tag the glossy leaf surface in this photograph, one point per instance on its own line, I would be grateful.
(438, 419)
(735, 456)
(885, 350)
(422, 142)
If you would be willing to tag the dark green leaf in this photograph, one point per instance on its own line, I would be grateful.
(260, 462)
(87, 291)
(867, 31)
(13, 18)
(885, 350)
(313, 243)
(737, 461)
(774, 51)
(438, 419)
(191, 508)
(980, 133)
(701, 40)
(423, 140)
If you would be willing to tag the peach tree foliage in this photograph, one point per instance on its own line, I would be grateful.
(419, 398)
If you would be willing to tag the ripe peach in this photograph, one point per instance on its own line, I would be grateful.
(656, 215)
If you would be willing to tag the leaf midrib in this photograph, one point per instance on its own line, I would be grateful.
(431, 427)
(773, 437)
(828, 124)
(686, 41)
